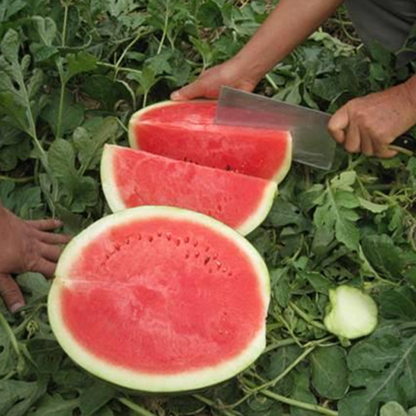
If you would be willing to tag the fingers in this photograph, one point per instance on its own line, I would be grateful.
(352, 142)
(193, 90)
(367, 147)
(338, 124)
(11, 293)
(52, 238)
(385, 153)
(46, 225)
(44, 266)
(50, 252)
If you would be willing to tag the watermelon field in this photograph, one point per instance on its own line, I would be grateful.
(73, 72)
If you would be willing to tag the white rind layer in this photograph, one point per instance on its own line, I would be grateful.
(278, 177)
(284, 168)
(116, 202)
(142, 381)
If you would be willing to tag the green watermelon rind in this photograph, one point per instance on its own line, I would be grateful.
(116, 203)
(140, 381)
(279, 175)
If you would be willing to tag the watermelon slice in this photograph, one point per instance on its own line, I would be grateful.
(160, 299)
(186, 131)
(133, 178)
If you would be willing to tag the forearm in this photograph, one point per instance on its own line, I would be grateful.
(288, 25)
(410, 88)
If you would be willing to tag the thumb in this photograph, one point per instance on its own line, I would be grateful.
(11, 293)
(338, 123)
(193, 90)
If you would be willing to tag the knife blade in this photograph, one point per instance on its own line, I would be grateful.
(312, 144)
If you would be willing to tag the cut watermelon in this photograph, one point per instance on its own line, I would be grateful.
(186, 131)
(160, 299)
(133, 178)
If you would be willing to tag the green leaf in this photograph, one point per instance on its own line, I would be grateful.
(383, 255)
(46, 28)
(372, 207)
(16, 397)
(61, 158)
(261, 406)
(10, 46)
(105, 90)
(185, 406)
(392, 409)
(79, 63)
(46, 354)
(284, 213)
(95, 397)
(90, 148)
(398, 304)
(383, 369)
(336, 215)
(7, 356)
(72, 114)
(10, 8)
(329, 372)
(319, 283)
(302, 393)
(55, 406)
(34, 285)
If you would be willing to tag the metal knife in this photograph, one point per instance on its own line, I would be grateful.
(312, 143)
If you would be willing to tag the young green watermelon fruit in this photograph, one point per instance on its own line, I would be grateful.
(186, 131)
(160, 299)
(133, 178)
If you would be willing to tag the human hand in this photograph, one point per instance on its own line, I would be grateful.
(369, 124)
(26, 246)
(231, 73)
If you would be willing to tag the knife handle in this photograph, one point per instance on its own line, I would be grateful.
(404, 144)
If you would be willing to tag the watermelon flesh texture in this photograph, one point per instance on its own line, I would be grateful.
(186, 131)
(133, 178)
(160, 299)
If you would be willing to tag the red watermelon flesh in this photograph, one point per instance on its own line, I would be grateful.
(186, 131)
(133, 178)
(160, 299)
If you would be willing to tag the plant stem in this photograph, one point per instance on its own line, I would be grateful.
(165, 29)
(65, 24)
(372, 270)
(271, 82)
(61, 106)
(279, 344)
(213, 404)
(296, 403)
(118, 63)
(135, 407)
(8, 330)
(119, 69)
(17, 180)
(306, 317)
(280, 377)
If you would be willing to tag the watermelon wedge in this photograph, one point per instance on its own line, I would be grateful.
(133, 178)
(186, 131)
(160, 299)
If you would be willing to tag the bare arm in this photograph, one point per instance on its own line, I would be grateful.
(291, 22)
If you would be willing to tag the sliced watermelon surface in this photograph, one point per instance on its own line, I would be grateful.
(186, 131)
(133, 178)
(160, 299)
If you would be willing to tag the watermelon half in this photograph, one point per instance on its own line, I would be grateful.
(160, 299)
(133, 178)
(186, 131)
